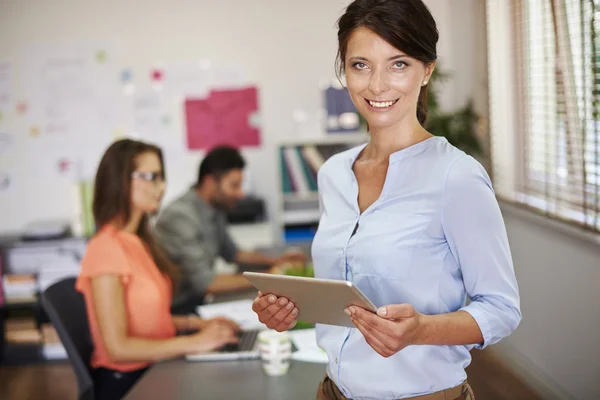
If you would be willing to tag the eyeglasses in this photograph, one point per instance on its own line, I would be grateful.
(154, 177)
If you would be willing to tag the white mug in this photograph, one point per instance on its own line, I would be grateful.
(275, 350)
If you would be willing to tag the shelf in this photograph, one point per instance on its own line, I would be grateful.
(301, 216)
(331, 138)
(19, 305)
(16, 354)
(292, 197)
(28, 354)
(299, 160)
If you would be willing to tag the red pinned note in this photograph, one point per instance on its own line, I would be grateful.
(225, 117)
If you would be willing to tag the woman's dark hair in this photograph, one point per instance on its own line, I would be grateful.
(112, 194)
(405, 24)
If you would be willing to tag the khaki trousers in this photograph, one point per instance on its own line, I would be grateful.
(329, 391)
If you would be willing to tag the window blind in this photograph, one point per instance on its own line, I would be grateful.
(554, 53)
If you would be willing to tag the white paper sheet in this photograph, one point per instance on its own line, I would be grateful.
(239, 311)
(195, 79)
(187, 79)
(72, 88)
(153, 120)
(305, 341)
(311, 356)
(73, 105)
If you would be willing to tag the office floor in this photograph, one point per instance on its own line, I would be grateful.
(490, 379)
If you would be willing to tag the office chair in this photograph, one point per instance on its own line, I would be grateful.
(65, 308)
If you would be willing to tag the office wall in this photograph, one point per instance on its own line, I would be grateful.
(286, 47)
(557, 344)
(463, 52)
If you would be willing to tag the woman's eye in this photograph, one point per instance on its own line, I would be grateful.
(400, 65)
(360, 65)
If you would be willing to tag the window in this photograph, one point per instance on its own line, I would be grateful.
(544, 66)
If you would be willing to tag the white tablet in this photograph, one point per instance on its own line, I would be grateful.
(318, 300)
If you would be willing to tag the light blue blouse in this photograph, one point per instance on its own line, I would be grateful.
(433, 237)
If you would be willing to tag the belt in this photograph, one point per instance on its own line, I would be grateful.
(328, 390)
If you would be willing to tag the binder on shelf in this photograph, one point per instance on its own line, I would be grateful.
(300, 162)
(299, 168)
(296, 172)
(309, 174)
(313, 157)
(286, 183)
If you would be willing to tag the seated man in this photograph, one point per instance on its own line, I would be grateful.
(193, 228)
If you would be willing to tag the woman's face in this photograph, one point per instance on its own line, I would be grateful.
(147, 183)
(383, 82)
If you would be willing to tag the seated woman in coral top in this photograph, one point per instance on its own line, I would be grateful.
(126, 280)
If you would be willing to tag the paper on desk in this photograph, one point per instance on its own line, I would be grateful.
(305, 341)
(240, 311)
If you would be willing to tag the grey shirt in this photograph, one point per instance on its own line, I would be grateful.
(194, 234)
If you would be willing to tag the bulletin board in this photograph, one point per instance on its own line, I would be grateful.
(76, 99)
(79, 98)
(76, 76)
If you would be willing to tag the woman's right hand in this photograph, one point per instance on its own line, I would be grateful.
(276, 312)
(215, 335)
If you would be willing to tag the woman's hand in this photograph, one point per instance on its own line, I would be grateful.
(203, 323)
(390, 330)
(213, 336)
(276, 312)
(188, 323)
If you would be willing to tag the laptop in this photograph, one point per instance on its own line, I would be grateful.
(241, 312)
(245, 349)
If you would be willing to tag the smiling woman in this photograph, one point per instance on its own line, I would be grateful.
(411, 220)
(384, 83)
(378, 74)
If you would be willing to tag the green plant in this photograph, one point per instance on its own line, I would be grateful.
(458, 127)
(306, 270)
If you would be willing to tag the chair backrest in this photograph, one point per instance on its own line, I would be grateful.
(65, 308)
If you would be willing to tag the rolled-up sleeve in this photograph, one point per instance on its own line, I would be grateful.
(475, 231)
(178, 234)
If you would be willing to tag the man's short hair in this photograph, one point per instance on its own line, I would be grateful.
(219, 161)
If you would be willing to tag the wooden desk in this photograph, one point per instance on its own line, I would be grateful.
(239, 380)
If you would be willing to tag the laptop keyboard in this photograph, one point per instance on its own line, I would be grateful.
(246, 343)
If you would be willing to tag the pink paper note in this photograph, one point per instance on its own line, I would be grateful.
(222, 118)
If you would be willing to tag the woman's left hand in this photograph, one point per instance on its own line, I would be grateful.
(390, 330)
(199, 323)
